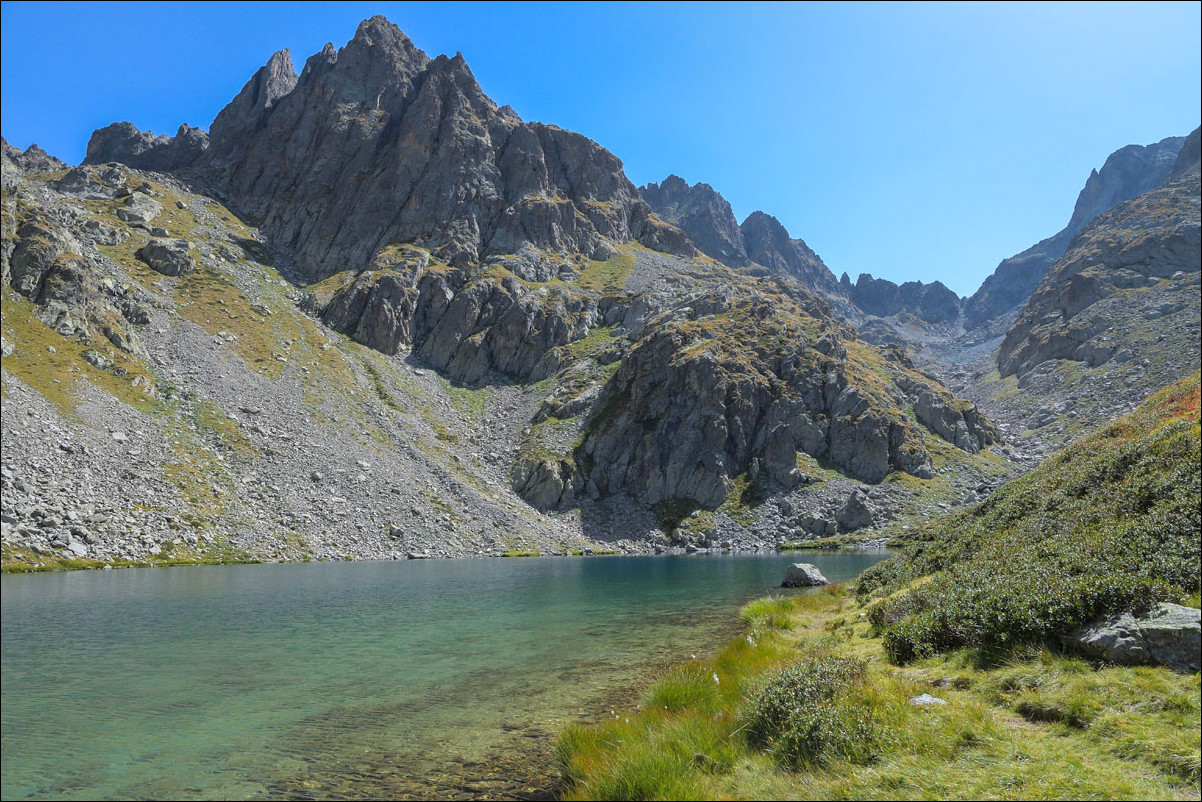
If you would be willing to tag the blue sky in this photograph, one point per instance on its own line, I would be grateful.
(911, 141)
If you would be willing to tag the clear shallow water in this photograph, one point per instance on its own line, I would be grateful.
(440, 678)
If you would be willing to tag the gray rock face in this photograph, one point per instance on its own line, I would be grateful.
(956, 421)
(123, 142)
(707, 395)
(1091, 299)
(93, 183)
(170, 257)
(769, 244)
(435, 221)
(140, 208)
(803, 575)
(1128, 172)
(398, 148)
(45, 262)
(1169, 635)
(1188, 157)
(31, 160)
(855, 514)
(706, 217)
(702, 214)
(933, 302)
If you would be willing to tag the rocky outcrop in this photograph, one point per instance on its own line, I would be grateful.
(171, 257)
(1188, 157)
(1168, 635)
(397, 148)
(139, 208)
(31, 160)
(44, 259)
(769, 244)
(1128, 172)
(702, 214)
(1133, 268)
(123, 142)
(465, 327)
(496, 324)
(933, 302)
(721, 386)
(803, 575)
(955, 420)
(708, 221)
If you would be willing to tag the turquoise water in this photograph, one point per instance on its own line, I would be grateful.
(440, 678)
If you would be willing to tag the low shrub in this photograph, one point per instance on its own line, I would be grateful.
(805, 714)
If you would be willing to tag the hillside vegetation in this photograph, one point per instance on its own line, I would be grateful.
(1110, 523)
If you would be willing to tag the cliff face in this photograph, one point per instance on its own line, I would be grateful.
(702, 214)
(1128, 172)
(708, 221)
(933, 302)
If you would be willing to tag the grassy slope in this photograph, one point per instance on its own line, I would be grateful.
(813, 702)
(1109, 523)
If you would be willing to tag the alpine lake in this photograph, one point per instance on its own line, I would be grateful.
(444, 679)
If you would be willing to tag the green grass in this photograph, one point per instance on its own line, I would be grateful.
(607, 278)
(60, 375)
(814, 700)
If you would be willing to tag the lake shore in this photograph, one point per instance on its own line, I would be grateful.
(1036, 723)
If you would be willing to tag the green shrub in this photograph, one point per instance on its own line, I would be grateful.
(805, 714)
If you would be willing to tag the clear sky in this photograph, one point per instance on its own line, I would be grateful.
(912, 141)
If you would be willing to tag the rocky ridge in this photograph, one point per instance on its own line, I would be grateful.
(401, 148)
(761, 241)
(1128, 172)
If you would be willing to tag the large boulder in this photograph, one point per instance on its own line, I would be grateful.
(1168, 635)
(140, 208)
(803, 575)
(855, 514)
(170, 257)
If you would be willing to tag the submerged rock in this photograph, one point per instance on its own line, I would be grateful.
(803, 575)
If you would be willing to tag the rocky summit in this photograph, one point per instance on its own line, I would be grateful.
(371, 314)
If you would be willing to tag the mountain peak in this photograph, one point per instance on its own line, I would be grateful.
(381, 40)
(378, 144)
(702, 214)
